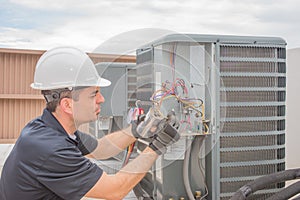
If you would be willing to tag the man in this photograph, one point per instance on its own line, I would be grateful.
(48, 160)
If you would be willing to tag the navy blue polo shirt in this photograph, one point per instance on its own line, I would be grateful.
(46, 163)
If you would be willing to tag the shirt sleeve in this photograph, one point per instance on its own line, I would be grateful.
(68, 174)
(86, 142)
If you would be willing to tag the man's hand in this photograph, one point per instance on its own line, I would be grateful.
(146, 126)
(134, 125)
(167, 136)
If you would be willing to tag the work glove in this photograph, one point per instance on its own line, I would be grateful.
(134, 125)
(167, 135)
(146, 126)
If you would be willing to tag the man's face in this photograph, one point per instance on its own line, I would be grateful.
(87, 107)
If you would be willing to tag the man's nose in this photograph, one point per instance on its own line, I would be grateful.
(100, 98)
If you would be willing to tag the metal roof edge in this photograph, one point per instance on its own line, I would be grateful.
(115, 64)
(206, 38)
(22, 51)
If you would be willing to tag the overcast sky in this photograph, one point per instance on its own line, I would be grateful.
(43, 24)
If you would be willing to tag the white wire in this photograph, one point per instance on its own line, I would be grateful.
(203, 176)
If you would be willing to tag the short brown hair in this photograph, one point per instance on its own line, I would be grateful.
(53, 97)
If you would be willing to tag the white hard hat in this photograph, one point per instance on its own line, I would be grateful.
(66, 67)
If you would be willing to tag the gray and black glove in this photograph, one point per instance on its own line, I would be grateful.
(134, 125)
(167, 135)
(146, 126)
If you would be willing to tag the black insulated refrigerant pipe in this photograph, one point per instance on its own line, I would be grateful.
(262, 182)
(287, 192)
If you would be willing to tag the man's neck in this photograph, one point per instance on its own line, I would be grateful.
(66, 122)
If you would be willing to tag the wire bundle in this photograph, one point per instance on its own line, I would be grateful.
(188, 104)
(128, 154)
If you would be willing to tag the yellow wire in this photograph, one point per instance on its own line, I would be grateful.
(167, 97)
(206, 132)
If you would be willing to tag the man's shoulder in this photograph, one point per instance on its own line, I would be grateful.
(37, 135)
(32, 125)
(38, 129)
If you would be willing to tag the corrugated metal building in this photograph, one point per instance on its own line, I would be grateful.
(19, 103)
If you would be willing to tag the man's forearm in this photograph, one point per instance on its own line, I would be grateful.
(117, 186)
(134, 171)
(113, 143)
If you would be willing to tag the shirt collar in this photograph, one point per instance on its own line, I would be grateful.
(51, 121)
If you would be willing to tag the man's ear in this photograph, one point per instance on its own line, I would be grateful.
(66, 105)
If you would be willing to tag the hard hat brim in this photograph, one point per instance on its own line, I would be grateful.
(104, 82)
